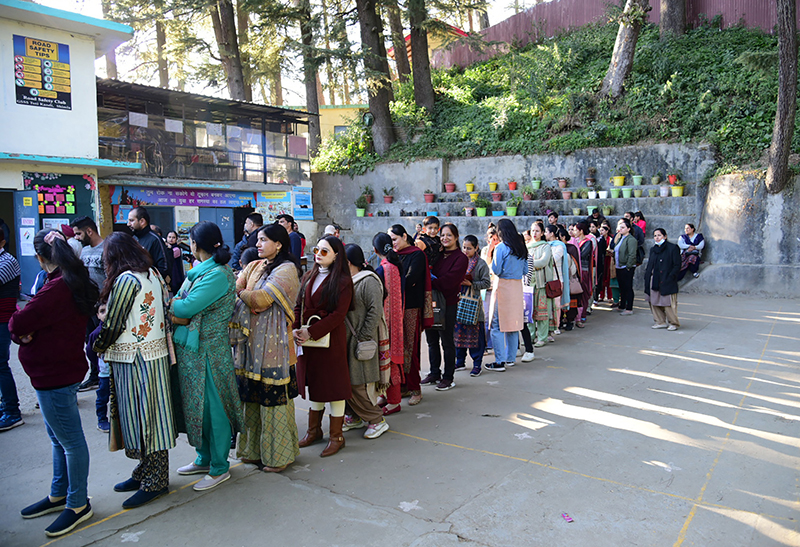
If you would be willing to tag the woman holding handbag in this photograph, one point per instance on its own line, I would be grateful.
(561, 263)
(265, 357)
(472, 336)
(366, 331)
(573, 280)
(446, 277)
(540, 273)
(326, 296)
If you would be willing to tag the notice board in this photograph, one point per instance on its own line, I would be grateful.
(42, 73)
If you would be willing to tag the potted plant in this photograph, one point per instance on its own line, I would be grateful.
(562, 181)
(388, 194)
(673, 175)
(637, 179)
(566, 194)
(618, 175)
(602, 193)
(512, 205)
(663, 190)
(497, 196)
(607, 210)
(449, 187)
(367, 193)
(469, 211)
(615, 193)
(626, 191)
(528, 192)
(432, 213)
(361, 205)
(493, 187)
(583, 193)
(652, 192)
(592, 193)
(429, 196)
(497, 210)
(656, 179)
(590, 209)
(470, 185)
(481, 206)
(536, 182)
(576, 211)
(637, 192)
(512, 184)
(474, 196)
(591, 176)
(677, 188)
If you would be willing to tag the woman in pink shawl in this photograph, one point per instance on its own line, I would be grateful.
(393, 275)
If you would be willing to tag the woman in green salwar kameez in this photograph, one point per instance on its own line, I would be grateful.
(264, 352)
(201, 311)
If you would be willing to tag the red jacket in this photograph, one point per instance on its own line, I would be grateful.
(54, 358)
(449, 272)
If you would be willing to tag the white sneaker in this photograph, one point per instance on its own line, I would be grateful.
(192, 469)
(210, 482)
(528, 357)
(657, 326)
(376, 430)
(557, 331)
(519, 352)
(672, 327)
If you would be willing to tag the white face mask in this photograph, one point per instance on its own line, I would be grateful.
(660, 242)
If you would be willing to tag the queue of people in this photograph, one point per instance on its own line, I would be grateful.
(224, 356)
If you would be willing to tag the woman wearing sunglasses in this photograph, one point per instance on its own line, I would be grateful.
(326, 292)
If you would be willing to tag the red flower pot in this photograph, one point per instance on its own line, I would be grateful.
(562, 183)
(368, 198)
(497, 196)
(429, 198)
(388, 199)
(527, 197)
(672, 179)
(450, 187)
(512, 186)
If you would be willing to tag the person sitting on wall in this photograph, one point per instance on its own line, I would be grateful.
(139, 222)
(691, 244)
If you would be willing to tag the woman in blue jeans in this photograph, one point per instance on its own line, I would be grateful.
(56, 318)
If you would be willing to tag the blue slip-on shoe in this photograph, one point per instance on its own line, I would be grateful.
(43, 507)
(68, 520)
(142, 498)
(105, 427)
(129, 485)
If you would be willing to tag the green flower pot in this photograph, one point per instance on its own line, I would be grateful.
(637, 193)
(637, 180)
(652, 192)
(360, 212)
(626, 192)
(481, 211)
(615, 193)
(536, 184)
(511, 211)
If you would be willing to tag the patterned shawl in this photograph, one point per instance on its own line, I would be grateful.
(262, 345)
(393, 309)
(427, 308)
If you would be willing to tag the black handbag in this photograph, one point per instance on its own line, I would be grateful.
(439, 310)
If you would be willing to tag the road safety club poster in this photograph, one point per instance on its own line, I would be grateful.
(42, 73)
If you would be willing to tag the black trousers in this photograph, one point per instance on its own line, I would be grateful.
(625, 280)
(445, 336)
(526, 338)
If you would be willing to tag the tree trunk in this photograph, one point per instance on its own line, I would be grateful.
(111, 55)
(242, 29)
(624, 50)
(378, 78)
(276, 89)
(421, 66)
(398, 41)
(673, 18)
(310, 78)
(779, 149)
(483, 20)
(223, 20)
(161, 45)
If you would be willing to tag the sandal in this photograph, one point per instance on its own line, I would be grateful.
(268, 469)
(415, 399)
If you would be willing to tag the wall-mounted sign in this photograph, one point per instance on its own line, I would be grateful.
(272, 204)
(303, 209)
(56, 200)
(135, 196)
(42, 73)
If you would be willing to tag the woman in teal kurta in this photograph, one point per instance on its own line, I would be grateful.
(201, 311)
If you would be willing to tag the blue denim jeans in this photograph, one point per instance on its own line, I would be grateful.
(70, 452)
(505, 343)
(8, 389)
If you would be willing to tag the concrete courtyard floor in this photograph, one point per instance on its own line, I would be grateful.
(644, 437)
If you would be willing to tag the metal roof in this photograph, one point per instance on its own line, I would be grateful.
(194, 101)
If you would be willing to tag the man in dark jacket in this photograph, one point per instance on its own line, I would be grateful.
(139, 222)
(638, 233)
(294, 238)
(252, 224)
(661, 281)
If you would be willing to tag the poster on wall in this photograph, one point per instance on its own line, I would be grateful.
(303, 209)
(60, 195)
(26, 236)
(177, 197)
(185, 218)
(272, 204)
(42, 73)
(54, 223)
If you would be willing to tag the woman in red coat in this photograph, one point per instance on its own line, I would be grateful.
(327, 292)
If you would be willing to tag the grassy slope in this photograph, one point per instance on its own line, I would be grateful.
(542, 98)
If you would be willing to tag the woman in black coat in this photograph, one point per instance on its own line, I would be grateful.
(661, 281)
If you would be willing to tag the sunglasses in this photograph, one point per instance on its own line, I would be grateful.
(321, 251)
